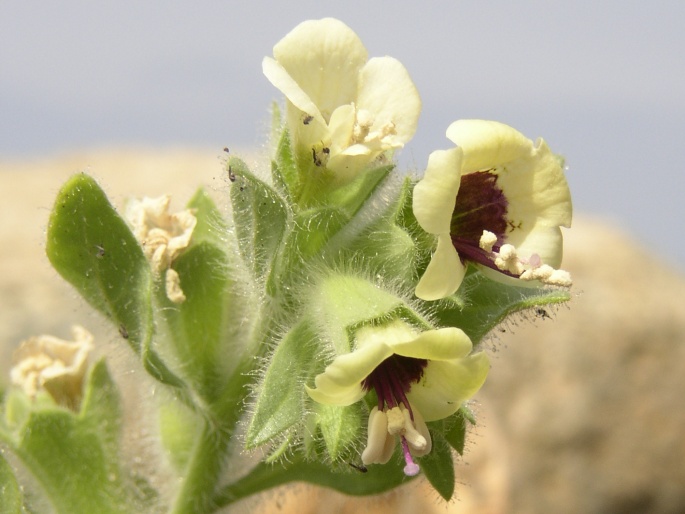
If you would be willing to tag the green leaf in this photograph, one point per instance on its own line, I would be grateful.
(11, 500)
(376, 479)
(481, 304)
(75, 457)
(179, 428)
(260, 218)
(438, 467)
(91, 246)
(280, 401)
(93, 249)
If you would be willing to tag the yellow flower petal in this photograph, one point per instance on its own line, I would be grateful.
(387, 91)
(536, 189)
(487, 144)
(446, 385)
(435, 195)
(538, 202)
(444, 273)
(358, 109)
(324, 57)
(442, 344)
(284, 82)
(340, 383)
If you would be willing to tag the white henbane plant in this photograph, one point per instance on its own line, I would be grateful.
(330, 326)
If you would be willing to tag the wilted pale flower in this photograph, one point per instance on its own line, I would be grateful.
(497, 200)
(163, 237)
(343, 112)
(417, 376)
(54, 365)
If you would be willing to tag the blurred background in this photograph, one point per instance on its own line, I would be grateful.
(583, 413)
(603, 82)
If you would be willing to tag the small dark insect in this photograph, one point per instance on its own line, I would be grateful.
(307, 119)
(101, 251)
(226, 149)
(123, 332)
(231, 175)
(542, 313)
(317, 159)
(359, 467)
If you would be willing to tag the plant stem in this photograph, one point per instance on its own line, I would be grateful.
(202, 472)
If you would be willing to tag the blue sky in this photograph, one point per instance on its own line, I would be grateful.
(602, 82)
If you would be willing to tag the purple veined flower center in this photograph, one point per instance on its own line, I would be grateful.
(392, 379)
(480, 205)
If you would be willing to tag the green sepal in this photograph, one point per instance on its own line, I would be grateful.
(260, 218)
(353, 195)
(18, 406)
(281, 397)
(313, 228)
(276, 126)
(311, 231)
(341, 303)
(75, 456)
(388, 243)
(11, 498)
(438, 467)
(94, 250)
(481, 304)
(385, 235)
(210, 226)
(203, 326)
(455, 429)
(340, 428)
(283, 167)
(211, 321)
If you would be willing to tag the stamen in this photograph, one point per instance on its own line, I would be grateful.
(487, 241)
(412, 468)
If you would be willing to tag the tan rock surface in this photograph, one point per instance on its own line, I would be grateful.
(583, 412)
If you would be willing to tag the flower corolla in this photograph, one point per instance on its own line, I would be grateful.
(54, 365)
(343, 111)
(417, 377)
(498, 200)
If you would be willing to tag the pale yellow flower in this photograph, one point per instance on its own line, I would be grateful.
(54, 365)
(497, 200)
(417, 377)
(163, 236)
(343, 111)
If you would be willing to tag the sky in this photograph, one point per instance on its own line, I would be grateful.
(602, 81)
